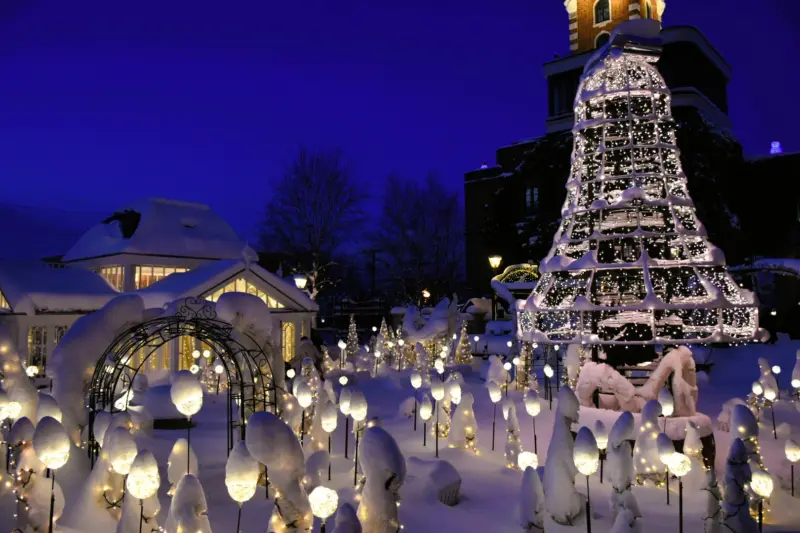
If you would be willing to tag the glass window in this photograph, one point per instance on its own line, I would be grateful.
(287, 340)
(113, 275)
(242, 285)
(3, 302)
(37, 347)
(146, 275)
(531, 200)
(59, 334)
(602, 11)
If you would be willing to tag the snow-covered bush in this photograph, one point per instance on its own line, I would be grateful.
(464, 427)
(713, 519)
(384, 468)
(129, 522)
(189, 509)
(645, 451)
(531, 503)
(562, 501)
(444, 483)
(620, 466)
(91, 511)
(177, 463)
(271, 442)
(736, 505)
(316, 470)
(347, 520)
(48, 406)
(513, 442)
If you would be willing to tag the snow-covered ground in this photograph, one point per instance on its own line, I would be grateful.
(490, 491)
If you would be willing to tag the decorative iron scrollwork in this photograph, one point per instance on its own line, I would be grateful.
(196, 308)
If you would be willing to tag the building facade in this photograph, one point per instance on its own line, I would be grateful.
(162, 250)
(513, 206)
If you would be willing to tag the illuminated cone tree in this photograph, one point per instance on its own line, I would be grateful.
(630, 263)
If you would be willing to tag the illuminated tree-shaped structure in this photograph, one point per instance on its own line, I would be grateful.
(352, 340)
(631, 263)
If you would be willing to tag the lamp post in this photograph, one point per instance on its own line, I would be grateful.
(601, 436)
(187, 396)
(770, 394)
(761, 483)
(437, 391)
(416, 382)
(494, 394)
(586, 457)
(667, 405)
(400, 343)
(51, 443)
(143, 480)
(494, 262)
(679, 465)
(300, 281)
(324, 502)
(507, 368)
(438, 365)
(358, 410)
(425, 412)
(218, 370)
(377, 354)
(344, 407)
(776, 370)
(533, 406)
(342, 353)
(548, 374)
(122, 452)
(304, 398)
(330, 418)
(792, 450)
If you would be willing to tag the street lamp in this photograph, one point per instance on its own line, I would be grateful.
(586, 457)
(494, 262)
(494, 394)
(300, 281)
(761, 483)
(792, 451)
(323, 502)
(426, 294)
(680, 465)
(143, 480)
(51, 444)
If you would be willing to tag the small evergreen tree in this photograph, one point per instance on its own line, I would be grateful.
(464, 350)
(352, 339)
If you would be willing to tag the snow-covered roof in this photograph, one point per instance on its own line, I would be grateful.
(215, 274)
(786, 264)
(34, 287)
(160, 227)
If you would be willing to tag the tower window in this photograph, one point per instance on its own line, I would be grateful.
(602, 39)
(602, 11)
(531, 200)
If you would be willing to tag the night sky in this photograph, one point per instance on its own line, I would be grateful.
(106, 101)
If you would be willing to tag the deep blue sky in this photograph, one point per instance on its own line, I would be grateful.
(105, 101)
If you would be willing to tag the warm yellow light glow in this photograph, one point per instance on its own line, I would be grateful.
(586, 463)
(51, 443)
(667, 402)
(437, 390)
(761, 483)
(425, 408)
(12, 409)
(792, 450)
(532, 404)
(515, 361)
(291, 373)
(796, 383)
(143, 480)
(219, 369)
(416, 379)
(426, 293)
(343, 380)
(206, 354)
(455, 392)
(323, 501)
(438, 365)
(196, 354)
(330, 418)
(494, 261)
(507, 366)
(401, 342)
(526, 459)
(757, 388)
(341, 344)
(304, 395)
(770, 394)
(548, 371)
(679, 464)
(476, 338)
(194, 369)
(300, 281)
(32, 371)
(776, 369)
(494, 392)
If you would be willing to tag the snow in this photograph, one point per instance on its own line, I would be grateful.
(34, 287)
(346, 520)
(189, 509)
(384, 468)
(561, 499)
(444, 483)
(166, 228)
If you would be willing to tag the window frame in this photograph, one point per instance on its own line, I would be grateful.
(607, 10)
(600, 36)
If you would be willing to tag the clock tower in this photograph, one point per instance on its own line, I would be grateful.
(591, 22)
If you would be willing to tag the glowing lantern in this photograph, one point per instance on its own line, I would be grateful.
(416, 380)
(425, 408)
(526, 459)
(186, 394)
(143, 479)
(51, 443)
(454, 389)
(494, 392)
(324, 502)
(667, 402)
(548, 371)
(761, 483)
(241, 474)
(437, 390)
(757, 388)
(585, 454)
(304, 395)
(121, 450)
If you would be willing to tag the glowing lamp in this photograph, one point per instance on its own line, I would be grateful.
(601, 435)
(761, 483)
(548, 371)
(51, 443)
(438, 365)
(343, 380)
(377, 354)
(667, 402)
(324, 502)
(526, 459)
(507, 366)
(792, 450)
(206, 354)
(121, 450)
(454, 336)
(426, 293)
(425, 408)
(757, 388)
(32, 370)
(454, 389)
(374, 329)
(186, 394)
(494, 261)
(796, 383)
(437, 390)
(509, 344)
(12, 410)
(665, 447)
(196, 354)
(679, 464)
(241, 474)
(401, 342)
(342, 345)
(219, 369)
(194, 369)
(344, 402)
(532, 404)
(476, 338)
(300, 281)
(329, 417)
(515, 361)
(143, 479)
(291, 373)
(776, 369)
(494, 392)
(770, 394)
(358, 406)
(303, 394)
(585, 454)
(416, 379)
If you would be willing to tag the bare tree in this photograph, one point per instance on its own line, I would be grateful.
(315, 209)
(420, 236)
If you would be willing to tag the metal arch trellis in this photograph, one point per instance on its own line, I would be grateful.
(250, 379)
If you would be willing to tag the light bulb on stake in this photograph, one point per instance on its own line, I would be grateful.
(586, 457)
(323, 502)
(494, 394)
(761, 483)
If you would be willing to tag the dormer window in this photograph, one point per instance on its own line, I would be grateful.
(602, 11)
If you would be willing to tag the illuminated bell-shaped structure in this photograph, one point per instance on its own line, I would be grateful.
(631, 263)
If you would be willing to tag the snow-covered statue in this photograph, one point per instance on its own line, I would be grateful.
(620, 466)
(384, 468)
(274, 444)
(713, 519)
(177, 463)
(129, 523)
(513, 442)
(189, 509)
(562, 501)
(346, 520)
(645, 451)
(736, 505)
(531, 502)
(464, 427)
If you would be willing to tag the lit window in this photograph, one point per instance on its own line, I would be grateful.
(3, 302)
(602, 11)
(531, 200)
(113, 275)
(146, 275)
(59, 334)
(287, 341)
(37, 347)
(242, 285)
(602, 39)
